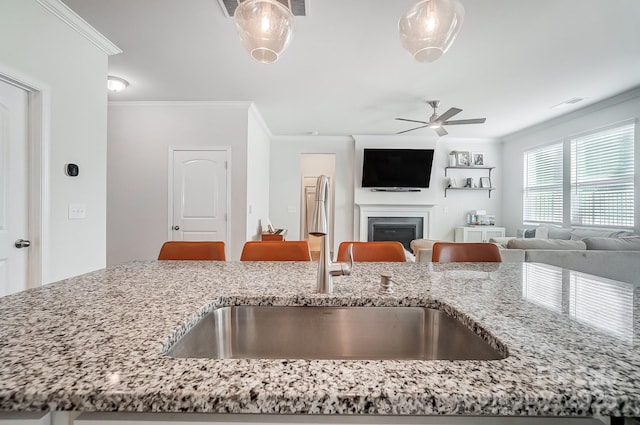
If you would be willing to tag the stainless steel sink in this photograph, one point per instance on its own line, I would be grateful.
(358, 333)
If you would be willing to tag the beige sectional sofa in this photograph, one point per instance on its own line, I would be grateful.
(610, 254)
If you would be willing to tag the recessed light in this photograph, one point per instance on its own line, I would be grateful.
(569, 102)
(116, 84)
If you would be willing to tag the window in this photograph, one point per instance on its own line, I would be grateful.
(543, 185)
(602, 170)
(599, 186)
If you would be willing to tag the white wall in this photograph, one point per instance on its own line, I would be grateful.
(140, 134)
(285, 182)
(448, 213)
(42, 50)
(258, 146)
(614, 110)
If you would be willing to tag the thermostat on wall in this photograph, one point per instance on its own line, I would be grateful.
(71, 170)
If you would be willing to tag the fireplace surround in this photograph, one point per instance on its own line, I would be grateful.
(401, 229)
(403, 220)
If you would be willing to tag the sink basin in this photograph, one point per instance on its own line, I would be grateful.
(348, 333)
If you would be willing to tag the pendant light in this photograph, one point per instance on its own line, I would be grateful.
(429, 28)
(265, 27)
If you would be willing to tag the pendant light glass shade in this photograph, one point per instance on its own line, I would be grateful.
(429, 28)
(266, 27)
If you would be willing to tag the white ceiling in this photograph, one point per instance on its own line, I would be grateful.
(346, 73)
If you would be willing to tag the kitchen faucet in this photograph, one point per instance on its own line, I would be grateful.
(320, 227)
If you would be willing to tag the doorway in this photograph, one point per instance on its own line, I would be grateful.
(313, 165)
(198, 194)
(21, 186)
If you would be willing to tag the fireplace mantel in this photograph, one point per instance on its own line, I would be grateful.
(381, 210)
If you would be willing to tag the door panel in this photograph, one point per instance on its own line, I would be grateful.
(199, 203)
(13, 188)
(474, 236)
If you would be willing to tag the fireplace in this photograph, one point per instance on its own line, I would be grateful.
(401, 223)
(401, 229)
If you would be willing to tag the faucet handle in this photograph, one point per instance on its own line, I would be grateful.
(350, 256)
(343, 269)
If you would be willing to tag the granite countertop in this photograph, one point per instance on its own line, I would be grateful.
(95, 342)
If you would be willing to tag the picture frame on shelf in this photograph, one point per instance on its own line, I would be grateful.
(477, 159)
(463, 158)
(452, 159)
(485, 182)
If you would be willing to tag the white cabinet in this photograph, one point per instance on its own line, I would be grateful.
(477, 233)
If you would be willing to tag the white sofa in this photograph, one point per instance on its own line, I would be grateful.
(614, 255)
(611, 254)
(618, 265)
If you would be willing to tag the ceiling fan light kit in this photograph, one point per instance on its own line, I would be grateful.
(437, 122)
(429, 28)
(265, 27)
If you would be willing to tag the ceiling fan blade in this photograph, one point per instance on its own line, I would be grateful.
(451, 112)
(404, 119)
(441, 131)
(411, 129)
(471, 121)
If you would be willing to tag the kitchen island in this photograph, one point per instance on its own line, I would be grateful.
(96, 343)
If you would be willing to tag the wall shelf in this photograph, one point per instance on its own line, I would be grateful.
(487, 189)
(467, 168)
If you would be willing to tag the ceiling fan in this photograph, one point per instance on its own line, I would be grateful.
(436, 122)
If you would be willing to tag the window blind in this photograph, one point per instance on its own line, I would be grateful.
(604, 305)
(543, 187)
(543, 286)
(602, 169)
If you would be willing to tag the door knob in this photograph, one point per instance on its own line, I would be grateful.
(21, 243)
(176, 227)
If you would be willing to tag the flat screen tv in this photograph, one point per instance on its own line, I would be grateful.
(397, 168)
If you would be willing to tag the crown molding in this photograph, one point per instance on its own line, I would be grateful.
(73, 20)
(183, 103)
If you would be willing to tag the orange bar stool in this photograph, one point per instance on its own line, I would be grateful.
(383, 251)
(452, 252)
(275, 251)
(192, 250)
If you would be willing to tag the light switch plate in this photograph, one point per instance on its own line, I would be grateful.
(77, 211)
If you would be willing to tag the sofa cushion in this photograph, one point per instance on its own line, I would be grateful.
(559, 233)
(524, 232)
(545, 244)
(501, 242)
(542, 232)
(613, 244)
(418, 244)
(545, 232)
(579, 234)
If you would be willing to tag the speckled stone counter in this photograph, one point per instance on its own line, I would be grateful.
(96, 342)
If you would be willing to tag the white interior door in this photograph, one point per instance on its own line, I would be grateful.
(199, 202)
(14, 217)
